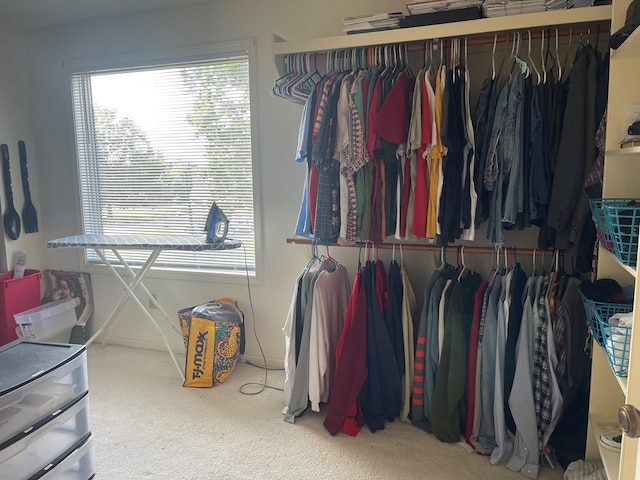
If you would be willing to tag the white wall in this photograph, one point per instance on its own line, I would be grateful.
(280, 178)
(15, 124)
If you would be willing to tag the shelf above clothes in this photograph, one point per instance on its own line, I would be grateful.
(482, 26)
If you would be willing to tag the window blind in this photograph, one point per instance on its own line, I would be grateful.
(158, 145)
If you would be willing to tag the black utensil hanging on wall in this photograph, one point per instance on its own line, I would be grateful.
(11, 217)
(29, 214)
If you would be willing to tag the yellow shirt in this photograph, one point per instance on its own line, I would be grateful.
(435, 155)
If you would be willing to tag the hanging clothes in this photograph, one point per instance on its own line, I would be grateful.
(299, 398)
(343, 411)
(330, 300)
(526, 448)
(381, 396)
(408, 313)
(448, 412)
(487, 433)
(572, 151)
(312, 330)
(473, 398)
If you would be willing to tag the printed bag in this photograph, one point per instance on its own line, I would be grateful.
(214, 344)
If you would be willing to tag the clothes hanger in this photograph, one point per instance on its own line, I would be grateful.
(314, 255)
(497, 270)
(493, 57)
(543, 66)
(568, 61)
(443, 258)
(504, 56)
(531, 62)
(464, 265)
(329, 264)
(558, 58)
(524, 67)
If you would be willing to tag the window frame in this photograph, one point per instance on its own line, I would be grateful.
(168, 56)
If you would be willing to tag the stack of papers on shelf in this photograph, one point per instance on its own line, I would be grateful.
(556, 4)
(501, 8)
(431, 6)
(372, 22)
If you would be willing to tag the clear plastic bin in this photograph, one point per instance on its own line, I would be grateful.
(47, 320)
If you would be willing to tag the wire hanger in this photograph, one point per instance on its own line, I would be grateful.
(493, 57)
(533, 64)
(543, 65)
(568, 62)
(558, 58)
(462, 263)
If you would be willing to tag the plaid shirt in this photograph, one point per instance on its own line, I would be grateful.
(541, 368)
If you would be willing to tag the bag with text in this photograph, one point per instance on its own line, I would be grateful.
(214, 343)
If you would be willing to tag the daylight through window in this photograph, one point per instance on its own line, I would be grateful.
(157, 145)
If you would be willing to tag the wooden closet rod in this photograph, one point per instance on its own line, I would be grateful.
(430, 248)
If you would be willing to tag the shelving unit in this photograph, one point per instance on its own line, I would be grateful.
(609, 392)
(610, 459)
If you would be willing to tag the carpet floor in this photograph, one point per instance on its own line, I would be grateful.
(147, 426)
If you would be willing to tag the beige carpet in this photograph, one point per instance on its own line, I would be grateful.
(146, 425)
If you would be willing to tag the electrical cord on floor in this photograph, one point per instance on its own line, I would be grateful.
(262, 386)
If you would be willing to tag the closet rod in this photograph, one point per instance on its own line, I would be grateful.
(430, 248)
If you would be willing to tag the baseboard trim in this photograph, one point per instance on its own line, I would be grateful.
(257, 360)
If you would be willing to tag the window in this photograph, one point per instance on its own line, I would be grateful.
(157, 144)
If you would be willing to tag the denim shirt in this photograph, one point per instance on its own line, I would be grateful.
(512, 159)
(494, 154)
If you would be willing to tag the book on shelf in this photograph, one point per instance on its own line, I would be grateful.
(374, 25)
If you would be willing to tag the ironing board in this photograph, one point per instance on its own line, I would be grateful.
(156, 244)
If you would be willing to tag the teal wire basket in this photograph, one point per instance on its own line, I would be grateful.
(617, 343)
(597, 214)
(598, 314)
(622, 218)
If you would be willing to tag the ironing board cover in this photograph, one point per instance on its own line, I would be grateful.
(190, 243)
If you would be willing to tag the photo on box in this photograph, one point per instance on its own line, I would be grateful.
(60, 285)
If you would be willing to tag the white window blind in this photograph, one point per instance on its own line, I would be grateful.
(157, 145)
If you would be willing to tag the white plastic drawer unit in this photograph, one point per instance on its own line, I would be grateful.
(28, 454)
(37, 379)
(77, 464)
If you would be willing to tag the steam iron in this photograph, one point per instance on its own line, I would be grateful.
(217, 225)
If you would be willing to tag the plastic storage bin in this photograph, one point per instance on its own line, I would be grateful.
(47, 320)
(37, 379)
(16, 295)
(78, 465)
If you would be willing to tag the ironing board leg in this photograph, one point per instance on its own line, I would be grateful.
(129, 294)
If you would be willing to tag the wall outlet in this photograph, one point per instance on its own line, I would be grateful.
(152, 306)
